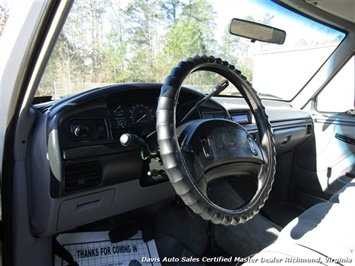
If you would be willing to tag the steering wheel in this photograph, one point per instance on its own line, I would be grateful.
(205, 150)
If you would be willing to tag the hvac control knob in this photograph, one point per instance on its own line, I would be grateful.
(80, 131)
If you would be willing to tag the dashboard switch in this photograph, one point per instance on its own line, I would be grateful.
(101, 130)
(86, 129)
(252, 146)
(206, 147)
(80, 131)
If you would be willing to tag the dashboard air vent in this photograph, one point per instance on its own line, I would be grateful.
(308, 129)
(82, 175)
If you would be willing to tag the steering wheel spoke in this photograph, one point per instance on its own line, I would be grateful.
(204, 150)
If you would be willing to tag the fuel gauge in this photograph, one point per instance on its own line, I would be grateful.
(119, 117)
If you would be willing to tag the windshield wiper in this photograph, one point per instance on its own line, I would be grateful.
(42, 99)
(350, 112)
(268, 95)
(261, 95)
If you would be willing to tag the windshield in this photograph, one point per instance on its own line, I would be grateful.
(140, 41)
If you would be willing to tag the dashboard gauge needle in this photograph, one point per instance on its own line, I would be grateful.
(141, 118)
(117, 109)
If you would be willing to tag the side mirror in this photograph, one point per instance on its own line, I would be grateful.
(256, 31)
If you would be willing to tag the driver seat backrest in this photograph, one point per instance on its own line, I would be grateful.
(325, 232)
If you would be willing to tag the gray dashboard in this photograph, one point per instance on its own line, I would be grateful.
(82, 173)
(290, 126)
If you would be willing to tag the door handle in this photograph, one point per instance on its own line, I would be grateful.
(345, 139)
(286, 140)
(350, 174)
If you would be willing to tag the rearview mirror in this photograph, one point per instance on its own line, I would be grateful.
(256, 31)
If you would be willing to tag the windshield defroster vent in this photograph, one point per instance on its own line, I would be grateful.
(43, 109)
(82, 175)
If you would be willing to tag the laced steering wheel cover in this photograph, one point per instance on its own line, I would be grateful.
(173, 159)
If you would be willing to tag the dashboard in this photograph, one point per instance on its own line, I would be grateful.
(78, 164)
(89, 131)
(83, 173)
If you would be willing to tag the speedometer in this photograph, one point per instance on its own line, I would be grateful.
(141, 114)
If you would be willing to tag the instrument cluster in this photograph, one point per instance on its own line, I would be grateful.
(131, 115)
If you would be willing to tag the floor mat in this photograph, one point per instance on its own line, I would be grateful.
(246, 238)
(96, 249)
(278, 213)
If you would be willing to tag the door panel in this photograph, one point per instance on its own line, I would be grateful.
(326, 161)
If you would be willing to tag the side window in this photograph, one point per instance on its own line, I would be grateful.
(339, 95)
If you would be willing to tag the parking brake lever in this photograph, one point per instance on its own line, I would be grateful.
(135, 142)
